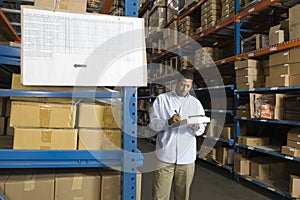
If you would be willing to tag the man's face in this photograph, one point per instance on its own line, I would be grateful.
(183, 87)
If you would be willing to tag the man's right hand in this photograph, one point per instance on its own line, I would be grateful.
(175, 118)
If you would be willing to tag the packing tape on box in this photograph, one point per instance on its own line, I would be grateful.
(77, 182)
(46, 137)
(29, 183)
(45, 112)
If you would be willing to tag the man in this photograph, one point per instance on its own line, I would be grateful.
(175, 147)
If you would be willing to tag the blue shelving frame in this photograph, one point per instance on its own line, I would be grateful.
(128, 159)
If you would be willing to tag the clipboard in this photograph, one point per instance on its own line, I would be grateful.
(193, 119)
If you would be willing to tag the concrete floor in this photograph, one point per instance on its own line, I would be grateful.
(209, 182)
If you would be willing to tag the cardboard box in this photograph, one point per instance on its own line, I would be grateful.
(294, 134)
(249, 63)
(78, 6)
(278, 112)
(9, 129)
(30, 184)
(294, 15)
(7, 108)
(249, 72)
(227, 132)
(253, 141)
(294, 55)
(295, 186)
(71, 184)
(293, 144)
(2, 125)
(294, 69)
(260, 170)
(290, 151)
(111, 185)
(276, 35)
(92, 139)
(17, 85)
(44, 115)
(54, 139)
(4, 174)
(225, 155)
(241, 165)
(279, 58)
(295, 80)
(99, 116)
(249, 85)
(248, 79)
(280, 80)
(295, 32)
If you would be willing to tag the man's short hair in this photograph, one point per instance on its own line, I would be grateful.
(186, 74)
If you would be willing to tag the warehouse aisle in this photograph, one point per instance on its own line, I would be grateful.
(209, 183)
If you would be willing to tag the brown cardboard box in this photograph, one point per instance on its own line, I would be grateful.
(293, 144)
(295, 80)
(78, 6)
(278, 70)
(246, 64)
(99, 116)
(280, 80)
(227, 132)
(290, 151)
(295, 186)
(92, 139)
(249, 72)
(58, 139)
(276, 35)
(225, 155)
(249, 85)
(241, 165)
(253, 141)
(278, 112)
(17, 85)
(295, 32)
(71, 184)
(45, 115)
(279, 58)
(110, 185)
(294, 15)
(260, 170)
(7, 108)
(249, 79)
(294, 69)
(4, 174)
(30, 184)
(2, 126)
(294, 55)
(294, 134)
(9, 129)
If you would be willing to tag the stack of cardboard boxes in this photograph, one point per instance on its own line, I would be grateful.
(248, 74)
(186, 26)
(284, 69)
(227, 9)
(294, 24)
(291, 109)
(254, 42)
(157, 19)
(172, 9)
(210, 13)
(206, 56)
(62, 184)
(293, 143)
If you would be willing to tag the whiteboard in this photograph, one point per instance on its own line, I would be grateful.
(70, 49)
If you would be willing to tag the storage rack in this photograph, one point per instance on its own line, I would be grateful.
(128, 159)
(229, 30)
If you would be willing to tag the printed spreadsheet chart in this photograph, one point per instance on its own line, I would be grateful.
(62, 42)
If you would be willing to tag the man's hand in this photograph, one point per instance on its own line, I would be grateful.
(194, 127)
(175, 118)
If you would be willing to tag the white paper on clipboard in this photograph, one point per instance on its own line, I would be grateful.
(195, 119)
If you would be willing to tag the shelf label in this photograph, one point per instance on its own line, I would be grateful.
(249, 179)
(263, 120)
(216, 139)
(251, 10)
(251, 148)
(270, 188)
(219, 164)
(223, 61)
(273, 48)
(204, 158)
(217, 26)
(252, 89)
(220, 111)
(289, 157)
(274, 88)
(202, 34)
(244, 118)
(251, 54)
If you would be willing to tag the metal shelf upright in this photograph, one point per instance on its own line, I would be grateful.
(127, 159)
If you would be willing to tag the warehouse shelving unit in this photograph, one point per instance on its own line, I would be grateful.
(230, 31)
(127, 159)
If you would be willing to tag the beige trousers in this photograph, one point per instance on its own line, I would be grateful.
(180, 175)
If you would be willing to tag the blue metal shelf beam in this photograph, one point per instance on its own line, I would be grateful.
(231, 87)
(268, 152)
(9, 55)
(273, 121)
(266, 186)
(65, 94)
(270, 90)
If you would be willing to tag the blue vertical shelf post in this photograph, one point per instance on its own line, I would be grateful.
(129, 140)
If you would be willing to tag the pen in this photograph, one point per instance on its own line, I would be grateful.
(176, 111)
